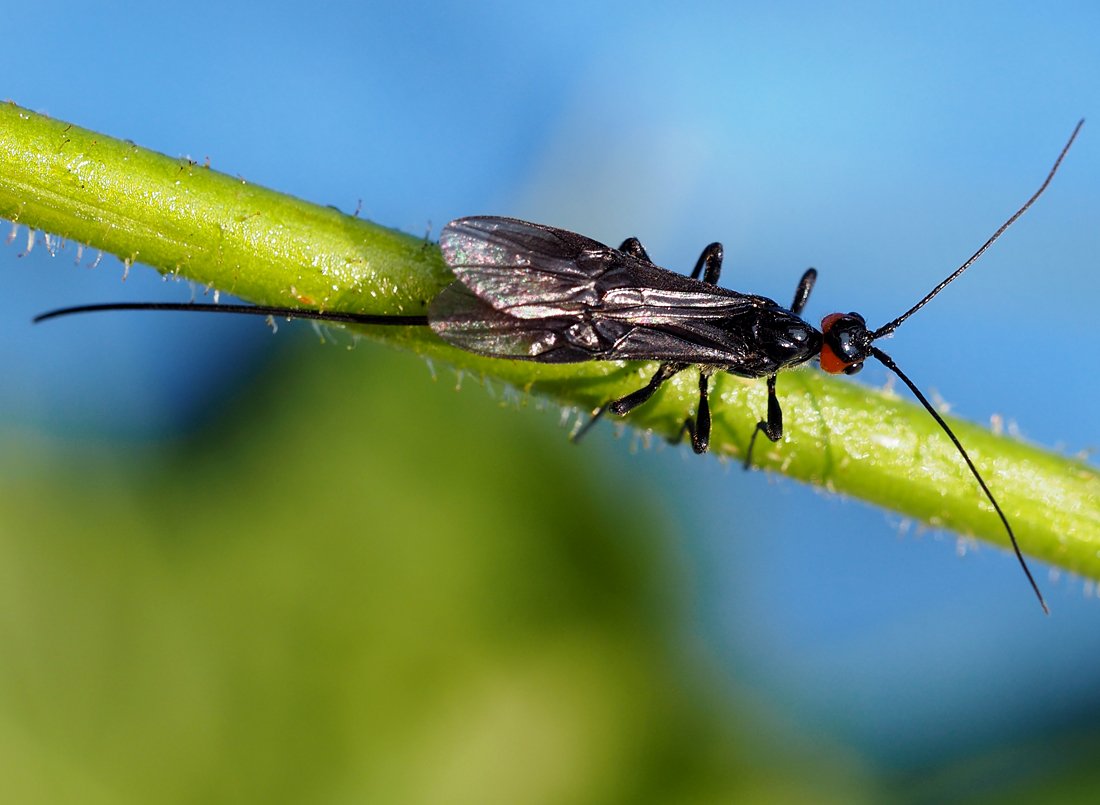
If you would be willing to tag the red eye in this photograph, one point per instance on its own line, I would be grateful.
(830, 362)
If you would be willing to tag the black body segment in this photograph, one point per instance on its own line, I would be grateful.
(532, 292)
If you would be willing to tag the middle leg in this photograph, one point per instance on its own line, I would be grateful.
(699, 428)
(772, 427)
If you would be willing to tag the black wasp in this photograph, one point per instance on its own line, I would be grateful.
(531, 292)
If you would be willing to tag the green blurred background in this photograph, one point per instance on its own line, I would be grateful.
(336, 591)
(250, 569)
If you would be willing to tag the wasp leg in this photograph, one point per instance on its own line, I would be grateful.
(699, 428)
(624, 405)
(773, 428)
(711, 260)
(634, 248)
(802, 293)
(709, 264)
(597, 415)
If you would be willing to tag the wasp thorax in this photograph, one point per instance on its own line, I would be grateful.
(787, 339)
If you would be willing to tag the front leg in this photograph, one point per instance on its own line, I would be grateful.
(802, 293)
(773, 427)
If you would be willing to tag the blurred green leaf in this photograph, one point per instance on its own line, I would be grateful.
(342, 607)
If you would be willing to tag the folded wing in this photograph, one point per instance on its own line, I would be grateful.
(537, 293)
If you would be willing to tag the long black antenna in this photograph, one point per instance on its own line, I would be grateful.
(888, 362)
(250, 310)
(888, 328)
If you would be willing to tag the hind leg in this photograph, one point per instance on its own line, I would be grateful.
(624, 405)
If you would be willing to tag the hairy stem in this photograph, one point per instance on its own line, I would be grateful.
(184, 218)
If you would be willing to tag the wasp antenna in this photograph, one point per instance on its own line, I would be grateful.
(888, 362)
(886, 329)
(248, 310)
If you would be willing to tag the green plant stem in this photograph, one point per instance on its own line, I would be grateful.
(185, 219)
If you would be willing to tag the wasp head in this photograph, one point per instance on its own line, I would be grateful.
(847, 343)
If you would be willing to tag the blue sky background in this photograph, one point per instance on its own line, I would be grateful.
(881, 144)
